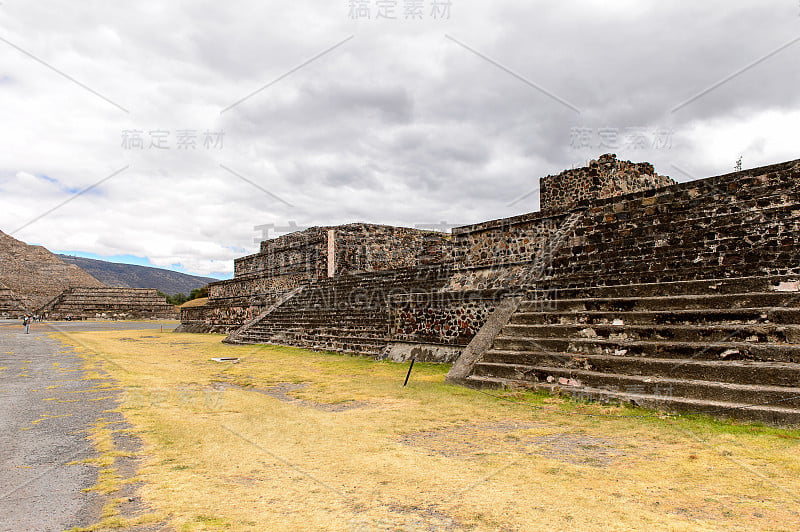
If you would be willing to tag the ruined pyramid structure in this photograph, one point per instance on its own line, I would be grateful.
(10, 305)
(35, 274)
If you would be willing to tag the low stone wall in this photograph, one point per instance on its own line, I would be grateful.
(504, 242)
(356, 247)
(446, 318)
(194, 320)
(302, 253)
(369, 247)
(498, 254)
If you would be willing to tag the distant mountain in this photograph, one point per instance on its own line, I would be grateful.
(135, 276)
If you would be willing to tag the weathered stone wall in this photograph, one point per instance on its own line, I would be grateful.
(449, 318)
(739, 224)
(116, 303)
(369, 247)
(297, 259)
(504, 242)
(301, 253)
(251, 285)
(195, 320)
(604, 178)
(498, 254)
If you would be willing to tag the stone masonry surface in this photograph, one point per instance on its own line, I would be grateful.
(626, 287)
(116, 303)
(604, 178)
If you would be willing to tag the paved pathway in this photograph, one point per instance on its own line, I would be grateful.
(46, 406)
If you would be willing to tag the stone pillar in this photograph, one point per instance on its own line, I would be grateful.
(331, 252)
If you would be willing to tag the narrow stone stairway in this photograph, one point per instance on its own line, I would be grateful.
(726, 347)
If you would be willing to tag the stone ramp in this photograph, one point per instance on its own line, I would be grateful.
(643, 343)
(347, 313)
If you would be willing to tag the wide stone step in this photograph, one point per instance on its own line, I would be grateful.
(681, 302)
(671, 217)
(755, 333)
(729, 350)
(769, 414)
(548, 291)
(732, 371)
(759, 196)
(648, 385)
(750, 315)
(605, 272)
(669, 236)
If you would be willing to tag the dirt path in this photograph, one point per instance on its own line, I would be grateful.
(47, 406)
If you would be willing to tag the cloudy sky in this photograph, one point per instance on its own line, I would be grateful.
(192, 122)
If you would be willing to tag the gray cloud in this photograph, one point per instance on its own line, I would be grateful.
(398, 125)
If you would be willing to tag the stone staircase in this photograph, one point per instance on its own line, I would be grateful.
(347, 313)
(726, 347)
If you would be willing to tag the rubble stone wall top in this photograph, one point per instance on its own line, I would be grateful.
(604, 178)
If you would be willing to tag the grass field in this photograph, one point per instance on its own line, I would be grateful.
(289, 439)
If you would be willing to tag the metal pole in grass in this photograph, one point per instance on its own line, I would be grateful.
(409, 371)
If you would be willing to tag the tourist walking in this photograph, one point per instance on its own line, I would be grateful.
(27, 323)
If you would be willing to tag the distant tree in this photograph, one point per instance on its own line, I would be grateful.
(175, 299)
(198, 292)
(179, 299)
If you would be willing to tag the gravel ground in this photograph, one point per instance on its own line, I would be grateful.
(47, 406)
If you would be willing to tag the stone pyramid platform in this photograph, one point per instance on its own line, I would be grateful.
(114, 303)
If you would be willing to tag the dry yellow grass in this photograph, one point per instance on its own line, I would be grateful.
(346, 447)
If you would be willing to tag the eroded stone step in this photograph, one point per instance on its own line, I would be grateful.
(732, 371)
(679, 302)
(712, 332)
(769, 414)
(737, 285)
(590, 273)
(751, 315)
(648, 385)
(729, 350)
(675, 216)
